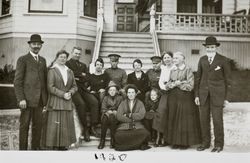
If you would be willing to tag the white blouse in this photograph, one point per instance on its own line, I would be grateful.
(64, 72)
(165, 75)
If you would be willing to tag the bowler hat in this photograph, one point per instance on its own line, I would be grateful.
(35, 38)
(210, 40)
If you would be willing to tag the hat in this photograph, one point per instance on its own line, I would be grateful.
(210, 40)
(35, 38)
(156, 59)
(112, 84)
(131, 86)
(114, 57)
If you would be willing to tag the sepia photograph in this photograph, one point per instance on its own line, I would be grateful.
(125, 80)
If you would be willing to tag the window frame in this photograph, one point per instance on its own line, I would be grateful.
(83, 10)
(32, 11)
(1, 5)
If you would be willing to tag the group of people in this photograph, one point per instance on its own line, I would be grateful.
(166, 105)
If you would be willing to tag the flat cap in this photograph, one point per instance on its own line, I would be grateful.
(114, 57)
(156, 59)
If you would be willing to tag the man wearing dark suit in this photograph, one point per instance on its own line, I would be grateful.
(211, 93)
(83, 99)
(31, 92)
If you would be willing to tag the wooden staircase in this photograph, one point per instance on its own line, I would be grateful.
(130, 46)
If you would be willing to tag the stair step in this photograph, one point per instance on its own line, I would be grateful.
(129, 49)
(114, 39)
(126, 35)
(129, 66)
(126, 44)
(145, 60)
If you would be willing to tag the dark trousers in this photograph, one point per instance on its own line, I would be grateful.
(80, 108)
(29, 114)
(108, 122)
(93, 106)
(148, 125)
(217, 116)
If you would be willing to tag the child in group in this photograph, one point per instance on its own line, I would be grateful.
(109, 108)
(151, 105)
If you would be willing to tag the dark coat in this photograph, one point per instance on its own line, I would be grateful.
(57, 89)
(213, 79)
(151, 107)
(138, 113)
(30, 80)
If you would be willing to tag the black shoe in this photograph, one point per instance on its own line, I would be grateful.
(217, 149)
(86, 135)
(202, 148)
(175, 147)
(102, 144)
(112, 143)
(183, 147)
(145, 147)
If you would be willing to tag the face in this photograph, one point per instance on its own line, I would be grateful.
(76, 54)
(178, 59)
(156, 66)
(112, 91)
(114, 64)
(211, 49)
(35, 47)
(131, 94)
(98, 66)
(61, 59)
(167, 59)
(153, 95)
(137, 66)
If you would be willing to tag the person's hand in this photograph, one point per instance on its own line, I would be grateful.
(83, 74)
(151, 111)
(77, 79)
(93, 92)
(197, 101)
(177, 82)
(67, 96)
(114, 112)
(23, 104)
(109, 112)
(44, 109)
(226, 103)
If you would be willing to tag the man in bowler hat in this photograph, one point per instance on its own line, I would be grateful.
(212, 85)
(31, 92)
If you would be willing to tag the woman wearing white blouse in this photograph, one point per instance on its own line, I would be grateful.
(160, 122)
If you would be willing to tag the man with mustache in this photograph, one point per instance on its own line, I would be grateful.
(31, 92)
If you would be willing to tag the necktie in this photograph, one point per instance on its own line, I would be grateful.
(36, 58)
(210, 60)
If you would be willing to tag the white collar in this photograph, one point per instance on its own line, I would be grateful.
(59, 67)
(211, 55)
(33, 54)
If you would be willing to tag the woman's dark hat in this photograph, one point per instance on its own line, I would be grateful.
(131, 86)
(35, 38)
(114, 57)
(210, 40)
(112, 84)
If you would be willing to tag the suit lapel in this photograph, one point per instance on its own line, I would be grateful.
(59, 73)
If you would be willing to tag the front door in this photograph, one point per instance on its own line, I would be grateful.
(125, 17)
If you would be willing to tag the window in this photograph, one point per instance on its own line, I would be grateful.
(90, 8)
(5, 7)
(212, 6)
(46, 6)
(187, 6)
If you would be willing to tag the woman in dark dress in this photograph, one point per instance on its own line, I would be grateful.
(139, 79)
(183, 128)
(98, 81)
(59, 131)
(131, 134)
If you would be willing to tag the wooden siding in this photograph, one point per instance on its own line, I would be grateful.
(109, 15)
(237, 50)
(6, 24)
(169, 6)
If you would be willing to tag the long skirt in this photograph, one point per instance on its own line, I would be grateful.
(130, 139)
(160, 122)
(183, 125)
(60, 129)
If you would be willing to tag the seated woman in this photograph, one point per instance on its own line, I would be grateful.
(131, 134)
(98, 81)
(109, 108)
(183, 126)
(59, 131)
(139, 79)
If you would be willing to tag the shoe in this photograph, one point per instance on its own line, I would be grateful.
(102, 144)
(145, 147)
(217, 149)
(86, 135)
(183, 147)
(94, 132)
(202, 148)
(175, 146)
(112, 143)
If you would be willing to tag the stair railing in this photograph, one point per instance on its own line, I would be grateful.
(153, 32)
(100, 22)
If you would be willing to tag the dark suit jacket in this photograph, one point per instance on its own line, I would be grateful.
(30, 80)
(213, 79)
(142, 84)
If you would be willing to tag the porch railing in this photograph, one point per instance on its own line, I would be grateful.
(202, 23)
(100, 22)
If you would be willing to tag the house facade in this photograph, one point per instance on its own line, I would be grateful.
(179, 25)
